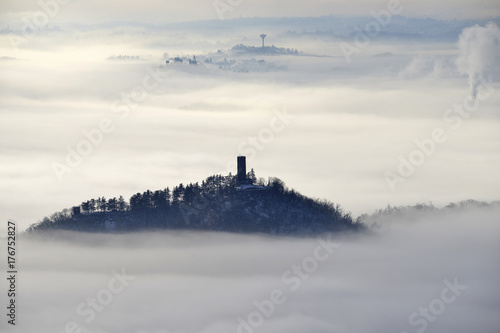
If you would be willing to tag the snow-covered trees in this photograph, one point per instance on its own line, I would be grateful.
(216, 204)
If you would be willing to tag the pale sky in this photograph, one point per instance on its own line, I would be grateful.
(153, 11)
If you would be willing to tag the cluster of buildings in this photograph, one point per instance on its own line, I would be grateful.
(183, 60)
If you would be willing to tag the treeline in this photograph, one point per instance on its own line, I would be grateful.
(241, 48)
(163, 199)
(391, 214)
(101, 205)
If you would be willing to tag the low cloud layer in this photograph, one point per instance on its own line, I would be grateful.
(198, 282)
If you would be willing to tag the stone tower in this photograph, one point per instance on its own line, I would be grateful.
(242, 170)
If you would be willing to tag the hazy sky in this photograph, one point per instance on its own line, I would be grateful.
(354, 112)
(93, 11)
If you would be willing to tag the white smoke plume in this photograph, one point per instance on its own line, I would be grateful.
(480, 53)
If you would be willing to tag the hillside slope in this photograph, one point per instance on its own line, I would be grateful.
(215, 205)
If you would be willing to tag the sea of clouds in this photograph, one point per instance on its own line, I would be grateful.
(432, 274)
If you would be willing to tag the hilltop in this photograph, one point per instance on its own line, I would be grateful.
(217, 204)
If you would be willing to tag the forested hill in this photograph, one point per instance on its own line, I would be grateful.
(216, 204)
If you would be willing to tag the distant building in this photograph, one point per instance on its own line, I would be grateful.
(182, 60)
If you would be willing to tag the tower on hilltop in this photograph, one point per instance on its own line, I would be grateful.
(242, 170)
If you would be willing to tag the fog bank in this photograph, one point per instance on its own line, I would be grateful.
(210, 282)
